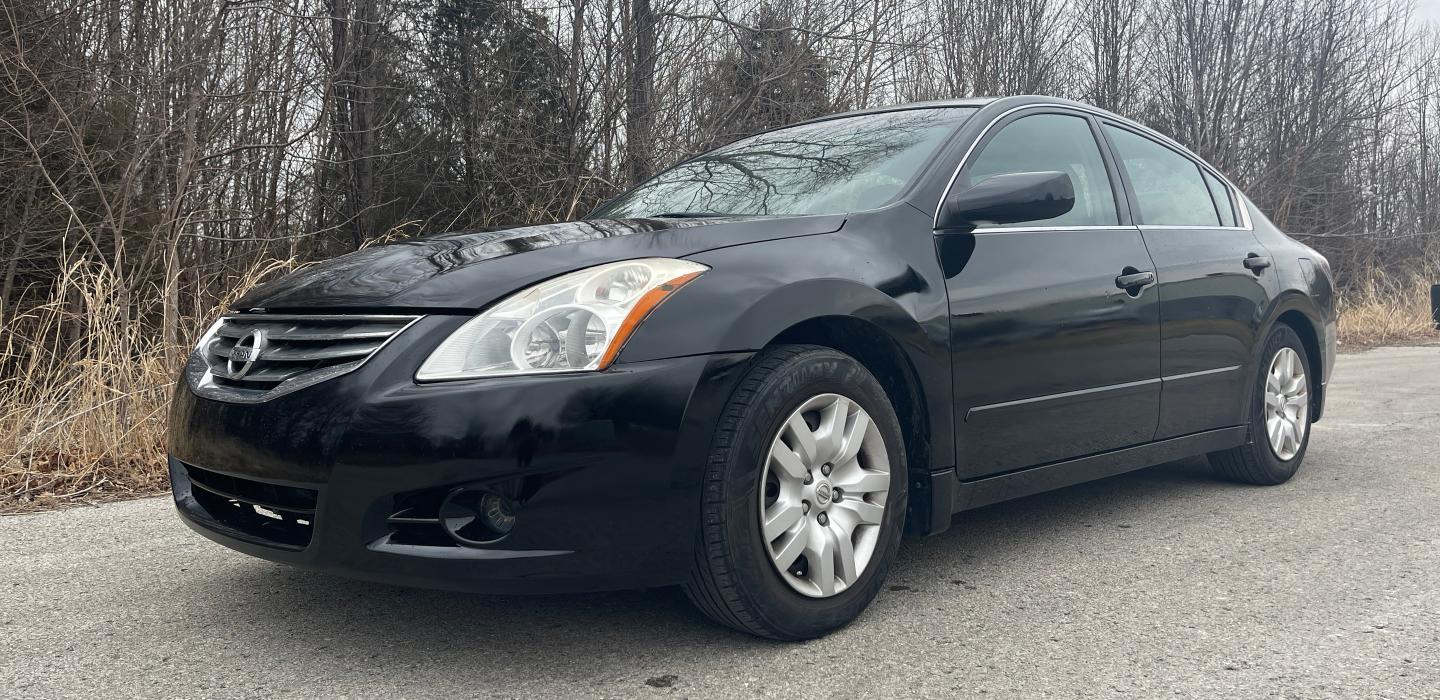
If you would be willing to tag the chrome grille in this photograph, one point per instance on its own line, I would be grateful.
(281, 353)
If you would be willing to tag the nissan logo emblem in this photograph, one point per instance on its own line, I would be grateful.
(246, 351)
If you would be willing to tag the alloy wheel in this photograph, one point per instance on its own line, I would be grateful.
(823, 495)
(1287, 403)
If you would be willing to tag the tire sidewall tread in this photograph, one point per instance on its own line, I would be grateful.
(1254, 462)
(733, 580)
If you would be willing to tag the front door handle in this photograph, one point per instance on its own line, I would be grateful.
(1135, 280)
(1256, 263)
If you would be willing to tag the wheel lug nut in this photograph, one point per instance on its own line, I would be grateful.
(825, 469)
(809, 477)
(804, 506)
(824, 519)
(837, 495)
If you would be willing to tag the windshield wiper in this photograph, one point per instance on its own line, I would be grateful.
(686, 215)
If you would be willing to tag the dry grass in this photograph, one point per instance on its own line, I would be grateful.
(1387, 309)
(82, 415)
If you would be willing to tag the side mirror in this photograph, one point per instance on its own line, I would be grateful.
(1009, 199)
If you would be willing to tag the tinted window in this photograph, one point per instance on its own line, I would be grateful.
(1045, 142)
(831, 167)
(1221, 194)
(1169, 187)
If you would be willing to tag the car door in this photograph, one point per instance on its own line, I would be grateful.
(1213, 276)
(1051, 359)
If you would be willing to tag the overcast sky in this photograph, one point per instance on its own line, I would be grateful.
(1428, 9)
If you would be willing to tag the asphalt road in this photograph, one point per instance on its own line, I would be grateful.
(1157, 583)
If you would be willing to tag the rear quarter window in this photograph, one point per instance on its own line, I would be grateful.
(1224, 203)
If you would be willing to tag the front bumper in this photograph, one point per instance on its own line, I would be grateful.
(605, 469)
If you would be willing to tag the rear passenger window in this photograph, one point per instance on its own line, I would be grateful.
(1051, 142)
(1169, 187)
(1221, 194)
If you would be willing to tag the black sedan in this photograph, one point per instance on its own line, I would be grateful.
(753, 373)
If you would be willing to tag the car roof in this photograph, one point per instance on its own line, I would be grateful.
(1009, 102)
(976, 102)
(1006, 101)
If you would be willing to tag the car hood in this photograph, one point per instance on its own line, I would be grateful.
(468, 270)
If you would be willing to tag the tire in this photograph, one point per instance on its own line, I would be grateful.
(1260, 461)
(735, 578)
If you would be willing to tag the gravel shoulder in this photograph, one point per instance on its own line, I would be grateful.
(1159, 582)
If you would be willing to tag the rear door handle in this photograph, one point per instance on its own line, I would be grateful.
(1134, 280)
(1256, 263)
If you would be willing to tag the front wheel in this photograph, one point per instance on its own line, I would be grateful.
(1279, 416)
(804, 497)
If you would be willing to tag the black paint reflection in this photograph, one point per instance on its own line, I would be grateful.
(382, 271)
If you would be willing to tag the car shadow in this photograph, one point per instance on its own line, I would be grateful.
(270, 606)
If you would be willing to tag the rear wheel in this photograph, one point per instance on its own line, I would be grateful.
(804, 497)
(1279, 416)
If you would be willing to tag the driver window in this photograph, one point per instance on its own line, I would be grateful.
(1051, 142)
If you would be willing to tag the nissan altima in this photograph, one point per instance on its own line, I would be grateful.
(751, 375)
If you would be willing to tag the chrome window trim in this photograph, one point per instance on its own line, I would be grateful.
(1238, 202)
(1207, 228)
(1032, 229)
(1103, 115)
(1116, 227)
(202, 380)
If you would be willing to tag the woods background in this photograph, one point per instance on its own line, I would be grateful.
(156, 156)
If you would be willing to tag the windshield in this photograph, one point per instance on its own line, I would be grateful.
(830, 167)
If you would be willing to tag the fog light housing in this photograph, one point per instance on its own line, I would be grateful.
(475, 516)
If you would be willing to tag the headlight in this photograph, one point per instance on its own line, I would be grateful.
(575, 322)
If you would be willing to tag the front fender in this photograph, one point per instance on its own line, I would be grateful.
(753, 294)
(755, 324)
